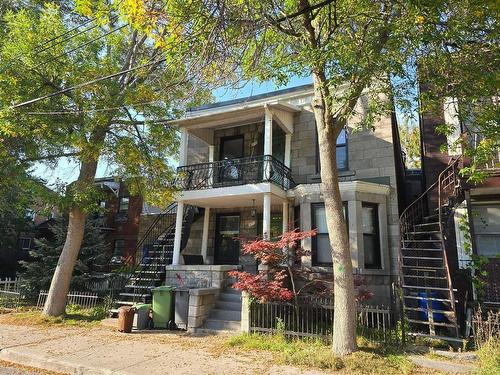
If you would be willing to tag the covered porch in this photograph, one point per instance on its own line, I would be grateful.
(231, 214)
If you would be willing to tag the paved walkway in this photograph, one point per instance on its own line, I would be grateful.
(105, 351)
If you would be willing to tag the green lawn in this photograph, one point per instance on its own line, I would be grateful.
(75, 316)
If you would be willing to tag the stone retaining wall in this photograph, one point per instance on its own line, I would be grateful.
(199, 276)
(201, 302)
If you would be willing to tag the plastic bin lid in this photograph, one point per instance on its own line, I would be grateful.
(140, 306)
(164, 288)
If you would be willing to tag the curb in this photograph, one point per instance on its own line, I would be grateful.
(55, 365)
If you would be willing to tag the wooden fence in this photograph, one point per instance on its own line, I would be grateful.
(85, 300)
(313, 317)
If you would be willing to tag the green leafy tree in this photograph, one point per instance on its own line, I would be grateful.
(93, 257)
(16, 201)
(410, 142)
(352, 49)
(89, 88)
(459, 72)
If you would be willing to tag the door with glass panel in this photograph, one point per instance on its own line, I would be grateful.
(227, 244)
(230, 154)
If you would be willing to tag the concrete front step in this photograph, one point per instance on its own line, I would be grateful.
(230, 290)
(222, 325)
(225, 315)
(229, 297)
(225, 305)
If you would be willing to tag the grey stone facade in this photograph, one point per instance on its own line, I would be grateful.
(370, 162)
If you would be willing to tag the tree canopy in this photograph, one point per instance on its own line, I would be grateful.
(43, 52)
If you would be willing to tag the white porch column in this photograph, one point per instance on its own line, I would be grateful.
(211, 149)
(183, 149)
(268, 141)
(288, 149)
(178, 233)
(266, 217)
(285, 217)
(204, 236)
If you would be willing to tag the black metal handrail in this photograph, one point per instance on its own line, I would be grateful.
(447, 187)
(233, 172)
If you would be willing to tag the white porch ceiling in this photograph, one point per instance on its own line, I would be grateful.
(234, 196)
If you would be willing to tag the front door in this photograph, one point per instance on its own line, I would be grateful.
(227, 245)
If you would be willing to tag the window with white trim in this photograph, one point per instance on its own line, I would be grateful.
(321, 250)
(371, 236)
(486, 221)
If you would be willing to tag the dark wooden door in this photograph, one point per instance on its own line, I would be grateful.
(227, 245)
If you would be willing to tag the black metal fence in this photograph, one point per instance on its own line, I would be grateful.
(233, 172)
(313, 318)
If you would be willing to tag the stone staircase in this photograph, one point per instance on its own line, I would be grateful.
(226, 315)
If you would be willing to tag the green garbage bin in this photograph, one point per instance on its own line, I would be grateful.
(162, 306)
(142, 311)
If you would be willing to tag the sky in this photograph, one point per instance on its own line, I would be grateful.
(67, 171)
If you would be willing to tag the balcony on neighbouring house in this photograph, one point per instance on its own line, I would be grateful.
(234, 172)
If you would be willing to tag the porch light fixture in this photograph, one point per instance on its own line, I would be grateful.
(253, 211)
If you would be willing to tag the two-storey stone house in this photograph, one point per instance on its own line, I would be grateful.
(250, 168)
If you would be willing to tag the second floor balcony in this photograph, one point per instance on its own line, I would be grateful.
(234, 172)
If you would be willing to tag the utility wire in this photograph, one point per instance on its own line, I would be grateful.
(64, 34)
(37, 52)
(48, 113)
(79, 46)
(112, 19)
(42, 45)
(68, 89)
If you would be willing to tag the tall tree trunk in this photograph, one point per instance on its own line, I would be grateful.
(344, 323)
(55, 305)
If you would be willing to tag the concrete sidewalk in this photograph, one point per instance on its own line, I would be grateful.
(105, 351)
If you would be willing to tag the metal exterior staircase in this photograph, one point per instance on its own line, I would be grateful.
(425, 278)
(153, 252)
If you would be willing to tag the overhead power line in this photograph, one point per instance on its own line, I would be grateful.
(68, 89)
(64, 34)
(112, 19)
(77, 112)
(79, 46)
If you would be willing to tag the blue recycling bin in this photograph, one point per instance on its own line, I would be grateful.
(436, 305)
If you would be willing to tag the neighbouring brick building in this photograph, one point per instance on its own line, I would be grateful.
(120, 214)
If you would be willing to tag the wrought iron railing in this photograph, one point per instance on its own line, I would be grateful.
(233, 172)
